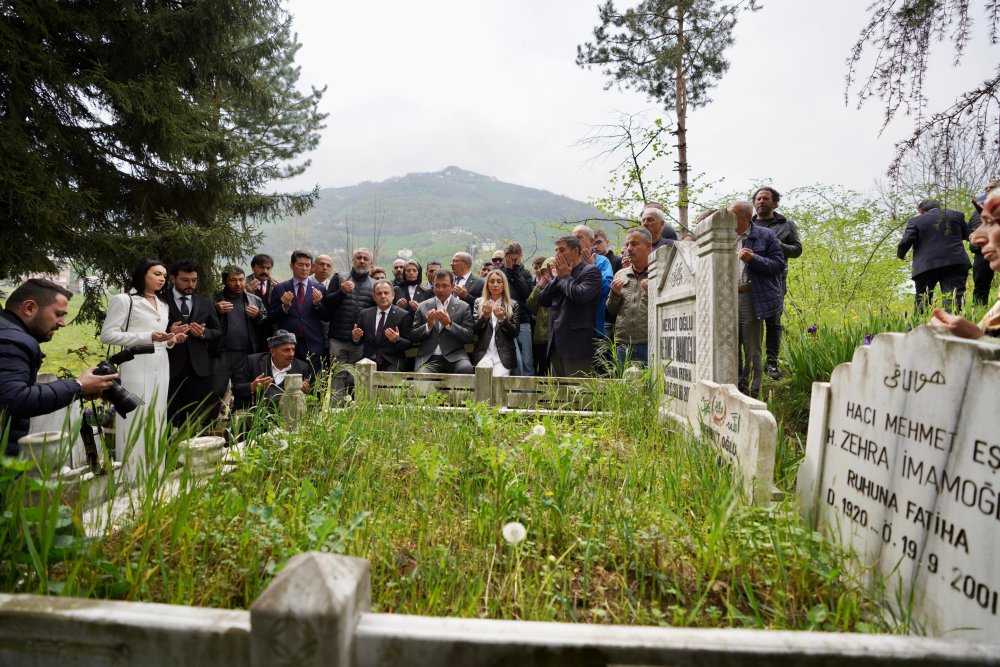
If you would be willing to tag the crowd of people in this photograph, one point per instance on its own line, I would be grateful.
(562, 317)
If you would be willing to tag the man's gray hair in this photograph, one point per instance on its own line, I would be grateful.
(585, 229)
(357, 250)
(655, 211)
(381, 281)
(741, 209)
(464, 256)
(641, 232)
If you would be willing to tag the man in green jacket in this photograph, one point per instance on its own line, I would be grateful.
(629, 298)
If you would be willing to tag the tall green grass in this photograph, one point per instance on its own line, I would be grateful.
(628, 521)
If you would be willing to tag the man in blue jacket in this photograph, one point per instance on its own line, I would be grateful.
(760, 291)
(33, 313)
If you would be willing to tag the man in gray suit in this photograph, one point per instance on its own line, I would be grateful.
(442, 326)
(939, 257)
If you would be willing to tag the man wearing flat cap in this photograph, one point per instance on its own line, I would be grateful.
(262, 376)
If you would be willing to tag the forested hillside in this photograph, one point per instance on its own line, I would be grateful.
(430, 214)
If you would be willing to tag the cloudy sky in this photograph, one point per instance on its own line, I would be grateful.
(493, 87)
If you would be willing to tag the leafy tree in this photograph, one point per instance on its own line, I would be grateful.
(146, 129)
(671, 50)
(901, 33)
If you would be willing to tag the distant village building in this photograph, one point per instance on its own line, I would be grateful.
(62, 278)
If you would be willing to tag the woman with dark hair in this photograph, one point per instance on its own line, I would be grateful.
(409, 293)
(496, 325)
(139, 317)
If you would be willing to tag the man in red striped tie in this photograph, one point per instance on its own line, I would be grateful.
(296, 305)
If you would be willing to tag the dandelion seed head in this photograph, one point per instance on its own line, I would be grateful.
(514, 532)
(538, 430)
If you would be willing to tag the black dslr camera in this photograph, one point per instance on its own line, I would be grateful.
(123, 400)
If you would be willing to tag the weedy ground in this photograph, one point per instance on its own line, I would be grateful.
(628, 522)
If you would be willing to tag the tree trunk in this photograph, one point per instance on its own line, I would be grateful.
(681, 111)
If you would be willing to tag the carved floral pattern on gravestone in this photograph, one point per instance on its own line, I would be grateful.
(902, 468)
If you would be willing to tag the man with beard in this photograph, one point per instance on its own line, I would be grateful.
(348, 295)
(261, 283)
(765, 201)
(241, 314)
(33, 313)
(191, 383)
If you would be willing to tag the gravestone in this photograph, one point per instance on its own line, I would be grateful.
(692, 312)
(742, 429)
(901, 467)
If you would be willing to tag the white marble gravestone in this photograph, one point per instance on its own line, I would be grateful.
(742, 429)
(901, 467)
(693, 326)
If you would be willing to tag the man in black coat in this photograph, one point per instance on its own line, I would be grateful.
(939, 257)
(242, 315)
(442, 326)
(574, 296)
(191, 392)
(521, 283)
(765, 201)
(34, 312)
(383, 331)
(261, 377)
(982, 274)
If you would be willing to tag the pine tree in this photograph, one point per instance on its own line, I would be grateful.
(671, 50)
(146, 129)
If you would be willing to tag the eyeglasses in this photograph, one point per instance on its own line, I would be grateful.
(498, 260)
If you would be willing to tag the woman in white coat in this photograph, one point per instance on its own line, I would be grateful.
(139, 317)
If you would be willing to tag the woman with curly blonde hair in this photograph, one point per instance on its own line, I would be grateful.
(496, 325)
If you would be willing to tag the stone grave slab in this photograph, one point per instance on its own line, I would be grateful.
(901, 467)
(692, 312)
(743, 430)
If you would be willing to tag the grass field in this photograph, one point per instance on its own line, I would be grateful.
(74, 347)
(626, 522)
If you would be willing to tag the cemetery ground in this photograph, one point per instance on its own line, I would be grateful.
(628, 520)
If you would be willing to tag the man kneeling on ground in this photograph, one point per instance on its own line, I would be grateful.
(262, 376)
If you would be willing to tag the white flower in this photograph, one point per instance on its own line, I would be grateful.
(514, 532)
(538, 430)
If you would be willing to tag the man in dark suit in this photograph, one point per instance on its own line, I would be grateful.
(939, 256)
(261, 283)
(573, 296)
(442, 326)
(296, 305)
(242, 315)
(383, 330)
(262, 376)
(466, 287)
(191, 387)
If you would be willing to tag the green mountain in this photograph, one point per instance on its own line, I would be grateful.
(428, 215)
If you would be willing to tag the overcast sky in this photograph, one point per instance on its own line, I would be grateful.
(493, 87)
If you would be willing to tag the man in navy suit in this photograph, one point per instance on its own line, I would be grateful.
(939, 256)
(442, 326)
(296, 305)
(574, 296)
(383, 331)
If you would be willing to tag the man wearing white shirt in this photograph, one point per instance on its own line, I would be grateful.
(323, 270)
(383, 331)
(262, 376)
(467, 287)
(442, 326)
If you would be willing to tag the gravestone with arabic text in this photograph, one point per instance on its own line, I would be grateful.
(901, 467)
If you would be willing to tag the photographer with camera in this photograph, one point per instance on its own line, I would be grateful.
(33, 313)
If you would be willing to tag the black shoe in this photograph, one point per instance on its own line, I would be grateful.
(772, 370)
